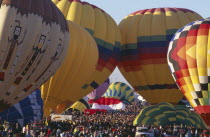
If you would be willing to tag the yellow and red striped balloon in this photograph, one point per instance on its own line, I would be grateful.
(146, 35)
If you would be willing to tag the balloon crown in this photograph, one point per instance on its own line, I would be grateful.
(86, 3)
(152, 10)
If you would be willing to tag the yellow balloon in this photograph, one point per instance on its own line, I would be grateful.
(80, 105)
(65, 87)
(146, 35)
(34, 38)
(105, 32)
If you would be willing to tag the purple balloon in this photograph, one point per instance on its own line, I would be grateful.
(97, 93)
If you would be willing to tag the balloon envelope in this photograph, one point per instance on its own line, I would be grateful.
(116, 97)
(26, 111)
(167, 114)
(106, 103)
(146, 35)
(81, 105)
(97, 93)
(121, 91)
(34, 38)
(105, 32)
(188, 59)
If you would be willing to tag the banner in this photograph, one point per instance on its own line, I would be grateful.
(60, 117)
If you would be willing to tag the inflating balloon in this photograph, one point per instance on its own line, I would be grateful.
(64, 88)
(188, 59)
(26, 111)
(97, 93)
(116, 97)
(34, 39)
(80, 105)
(121, 91)
(108, 103)
(167, 114)
(146, 35)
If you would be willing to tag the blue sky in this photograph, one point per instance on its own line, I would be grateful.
(118, 9)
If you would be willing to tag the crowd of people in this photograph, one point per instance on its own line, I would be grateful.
(110, 124)
(174, 131)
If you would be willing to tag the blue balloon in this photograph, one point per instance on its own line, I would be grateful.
(26, 111)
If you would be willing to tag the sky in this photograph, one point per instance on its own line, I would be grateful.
(119, 9)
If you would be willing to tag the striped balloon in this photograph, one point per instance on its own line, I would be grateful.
(167, 114)
(146, 35)
(121, 91)
(105, 32)
(80, 105)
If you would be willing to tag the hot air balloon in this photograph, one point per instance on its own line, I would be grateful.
(97, 93)
(188, 59)
(167, 114)
(64, 88)
(104, 30)
(26, 111)
(80, 105)
(146, 35)
(116, 97)
(108, 103)
(34, 39)
(120, 91)
(107, 37)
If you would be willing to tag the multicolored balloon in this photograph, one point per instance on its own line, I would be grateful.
(188, 59)
(97, 93)
(146, 35)
(167, 114)
(34, 39)
(64, 88)
(121, 91)
(116, 97)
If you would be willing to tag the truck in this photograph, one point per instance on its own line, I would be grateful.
(143, 132)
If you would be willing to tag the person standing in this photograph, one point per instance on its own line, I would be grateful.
(49, 132)
(24, 131)
(58, 132)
